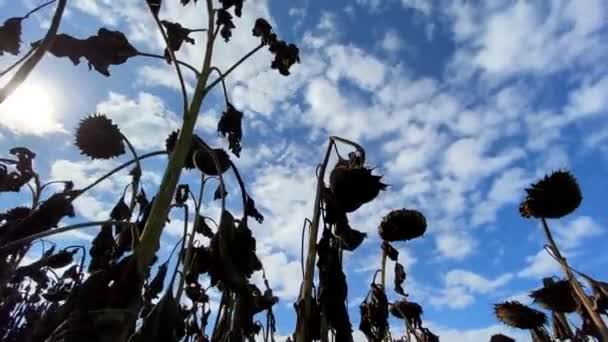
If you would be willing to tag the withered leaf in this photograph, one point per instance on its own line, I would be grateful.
(390, 251)
(155, 287)
(252, 211)
(176, 35)
(219, 193)
(285, 56)
(181, 194)
(121, 211)
(155, 6)
(238, 6)
(164, 323)
(10, 36)
(203, 228)
(101, 249)
(230, 125)
(105, 49)
(224, 20)
(400, 276)
(263, 29)
(142, 200)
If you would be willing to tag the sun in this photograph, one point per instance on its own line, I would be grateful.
(31, 109)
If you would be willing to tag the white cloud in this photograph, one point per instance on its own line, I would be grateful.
(474, 282)
(479, 334)
(590, 98)
(455, 245)
(356, 65)
(145, 120)
(540, 265)
(391, 42)
(570, 234)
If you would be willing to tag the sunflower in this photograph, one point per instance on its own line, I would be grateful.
(204, 161)
(517, 315)
(99, 138)
(354, 185)
(555, 296)
(554, 196)
(402, 224)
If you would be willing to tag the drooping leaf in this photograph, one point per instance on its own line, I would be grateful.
(252, 211)
(121, 211)
(203, 228)
(224, 21)
(164, 323)
(219, 193)
(102, 50)
(176, 35)
(400, 276)
(155, 6)
(182, 193)
(230, 125)
(390, 251)
(238, 6)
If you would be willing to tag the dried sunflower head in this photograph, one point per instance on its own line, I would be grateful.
(10, 36)
(555, 296)
(501, 338)
(517, 315)
(554, 196)
(411, 311)
(203, 161)
(354, 185)
(402, 224)
(263, 29)
(99, 138)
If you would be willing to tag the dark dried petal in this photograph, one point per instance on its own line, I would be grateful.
(230, 124)
(354, 186)
(121, 211)
(517, 315)
(102, 50)
(10, 36)
(99, 138)
(554, 196)
(251, 210)
(400, 276)
(219, 193)
(176, 35)
(182, 193)
(402, 224)
(155, 6)
(204, 161)
(224, 21)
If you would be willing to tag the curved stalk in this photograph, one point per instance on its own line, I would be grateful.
(122, 166)
(135, 187)
(243, 191)
(38, 8)
(188, 66)
(216, 69)
(231, 69)
(31, 238)
(302, 327)
(358, 147)
(578, 290)
(29, 65)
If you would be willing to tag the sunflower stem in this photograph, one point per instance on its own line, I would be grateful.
(383, 269)
(112, 172)
(29, 65)
(305, 299)
(231, 69)
(188, 66)
(135, 184)
(150, 238)
(31, 238)
(576, 286)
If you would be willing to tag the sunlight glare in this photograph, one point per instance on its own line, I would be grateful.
(30, 110)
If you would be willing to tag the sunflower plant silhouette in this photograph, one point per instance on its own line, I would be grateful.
(119, 296)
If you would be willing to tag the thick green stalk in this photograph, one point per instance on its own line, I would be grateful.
(150, 238)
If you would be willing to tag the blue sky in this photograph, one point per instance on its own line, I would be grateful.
(460, 104)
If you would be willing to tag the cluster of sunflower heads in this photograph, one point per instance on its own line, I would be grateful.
(553, 197)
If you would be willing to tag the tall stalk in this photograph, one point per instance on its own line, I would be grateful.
(150, 238)
(305, 300)
(576, 286)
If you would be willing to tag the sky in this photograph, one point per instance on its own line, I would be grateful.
(459, 104)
